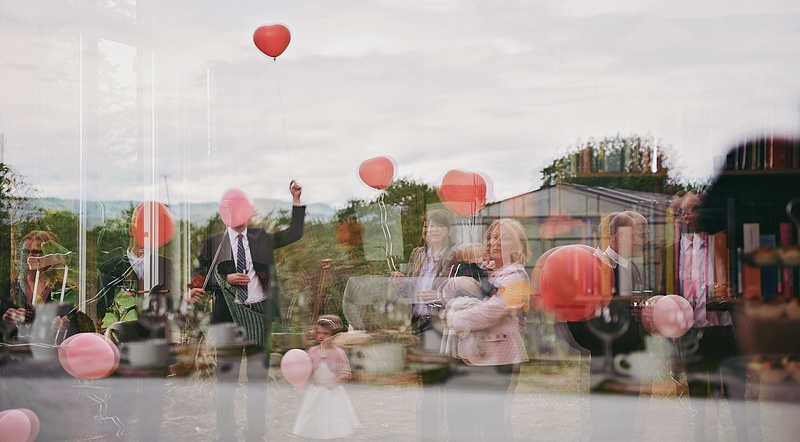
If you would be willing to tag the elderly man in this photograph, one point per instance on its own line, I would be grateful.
(711, 339)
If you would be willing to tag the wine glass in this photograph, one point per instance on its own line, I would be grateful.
(153, 309)
(24, 324)
(688, 345)
(611, 322)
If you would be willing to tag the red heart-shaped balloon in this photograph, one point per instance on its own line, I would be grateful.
(153, 225)
(272, 39)
(463, 192)
(377, 172)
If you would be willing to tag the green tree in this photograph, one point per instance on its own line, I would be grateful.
(320, 265)
(63, 223)
(115, 232)
(15, 207)
(632, 163)
(412, 197)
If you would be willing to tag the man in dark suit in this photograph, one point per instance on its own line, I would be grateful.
(121, 272)
(239, 264)
(149, 278)
(627, 281)
(626, 239)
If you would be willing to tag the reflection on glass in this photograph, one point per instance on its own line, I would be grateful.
(611, 323)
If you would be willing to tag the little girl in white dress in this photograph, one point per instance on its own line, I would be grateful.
(326, 411)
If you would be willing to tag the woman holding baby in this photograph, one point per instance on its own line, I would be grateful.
(491, 331)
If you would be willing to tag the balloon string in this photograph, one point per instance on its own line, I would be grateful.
(469, 224)
(30, 344)
(283, 117)
(387, 235)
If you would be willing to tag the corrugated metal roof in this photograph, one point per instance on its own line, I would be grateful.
(623, 196)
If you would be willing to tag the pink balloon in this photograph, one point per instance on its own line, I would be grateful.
(647, 314)
(296, 367)
(35, 424)
(14, 426)
(673, 316)
(235, 207)
(88, 356)
(115, 350)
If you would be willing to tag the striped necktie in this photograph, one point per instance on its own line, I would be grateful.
(241, 263)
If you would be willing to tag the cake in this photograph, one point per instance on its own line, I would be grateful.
(765, 257)
(790, 256)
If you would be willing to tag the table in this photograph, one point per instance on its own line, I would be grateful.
(372, 302)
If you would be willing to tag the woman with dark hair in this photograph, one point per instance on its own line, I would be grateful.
(428, 268)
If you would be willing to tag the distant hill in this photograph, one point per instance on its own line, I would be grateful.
(197, 214)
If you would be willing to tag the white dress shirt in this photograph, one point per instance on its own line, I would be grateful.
(625, 284)
(697, 280)
(255, 293)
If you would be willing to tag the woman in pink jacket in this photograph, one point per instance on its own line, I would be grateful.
(491, 338)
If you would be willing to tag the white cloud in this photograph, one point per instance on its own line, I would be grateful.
(497, 87)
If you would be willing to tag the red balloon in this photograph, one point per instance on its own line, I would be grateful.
(272, 39)
(377, 172)
(574, 283)
(153, 225)
(236, 207)
(536, 275)
(88, 356)
(673, 316)
(296, 366)
(463, 192)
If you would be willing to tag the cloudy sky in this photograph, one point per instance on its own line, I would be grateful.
(176, 102)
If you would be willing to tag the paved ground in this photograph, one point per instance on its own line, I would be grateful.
(550, 403)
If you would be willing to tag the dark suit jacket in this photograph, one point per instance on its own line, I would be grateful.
(630, 340)
(262, 247)
(115, 274)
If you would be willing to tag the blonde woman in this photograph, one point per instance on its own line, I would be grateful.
(492, 344)
(29, 291)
